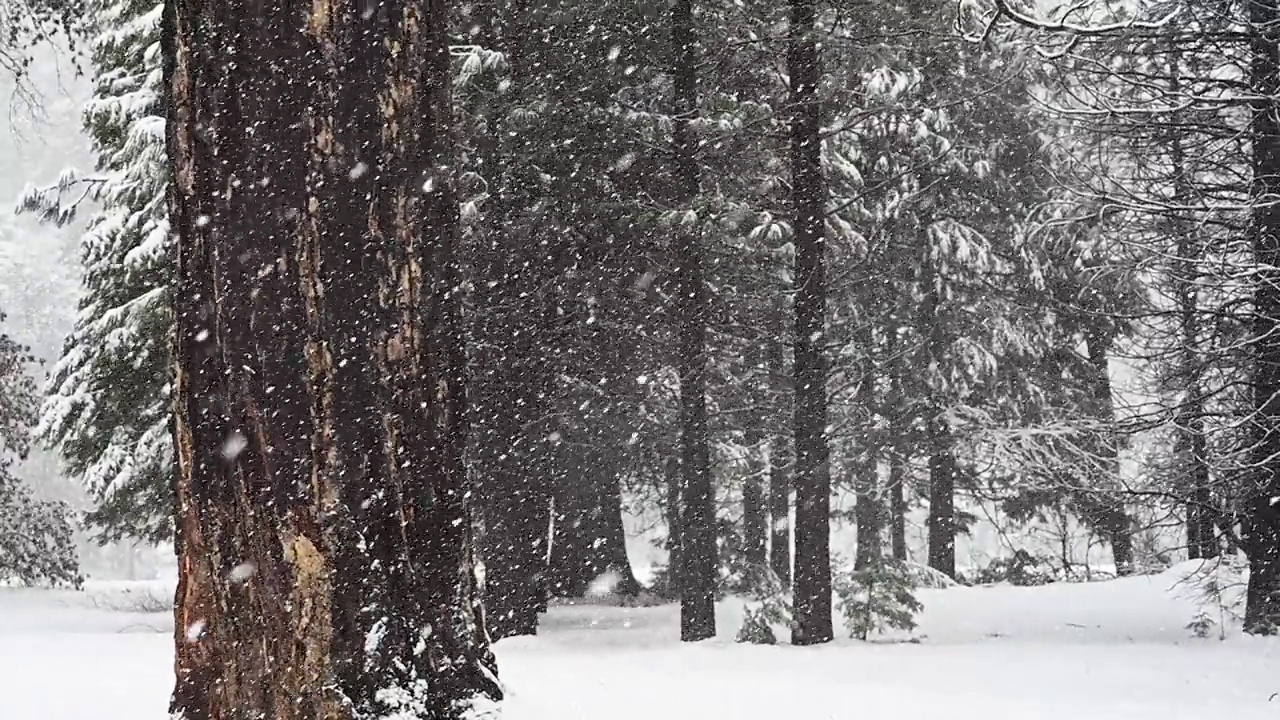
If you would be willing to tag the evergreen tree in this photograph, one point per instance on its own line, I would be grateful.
(107, 399)
(36, 544)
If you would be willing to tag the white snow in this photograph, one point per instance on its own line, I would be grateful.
(1114, 650)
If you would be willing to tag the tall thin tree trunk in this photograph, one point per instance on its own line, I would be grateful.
(898, 507)
(779, 478)
(942, 462)
(867, 512)
(698, 530)
(812, 582)
(1104, 508)
(942, 489)
(672, 507)
(325, 551)
(897, 458)
(1201, 537)
(755, 521)
(1261, 522)
(613, 542)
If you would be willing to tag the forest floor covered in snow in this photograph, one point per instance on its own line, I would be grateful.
(1108, 650)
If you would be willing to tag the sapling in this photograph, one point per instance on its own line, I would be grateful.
(876, 598)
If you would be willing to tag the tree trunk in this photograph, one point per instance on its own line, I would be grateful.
(942, 462)
(897, 459)
(1261, 524)
(779, 485)
(672, 508)
(517, 513)
(512, 383)
(1104, 507)
(698, 538)
(942, 507)
(867, 514)
(812, 583)
(589, 541)
(1201, 538)
(898, 507)
(755, 532)
(324, 537)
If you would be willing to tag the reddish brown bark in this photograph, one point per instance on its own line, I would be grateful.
(325, 545)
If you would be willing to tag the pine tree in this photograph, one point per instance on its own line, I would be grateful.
(812, 576)
(36, 544)
(107, 405)
(697, 507)
(326, 554)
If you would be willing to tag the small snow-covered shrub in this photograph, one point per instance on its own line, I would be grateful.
(1218, 588)
(1023, 570)
(923, 576)
(877, 598)
(770, 607)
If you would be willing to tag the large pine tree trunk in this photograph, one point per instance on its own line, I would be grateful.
(1261, 523)
(325, 549)
(698, 538)
(812, 582)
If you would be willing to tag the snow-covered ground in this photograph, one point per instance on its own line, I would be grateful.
(1109, 651)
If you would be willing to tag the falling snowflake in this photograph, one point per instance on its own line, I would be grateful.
(242, 572)
(234, 445)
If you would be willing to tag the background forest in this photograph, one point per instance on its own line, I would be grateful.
(980, 294)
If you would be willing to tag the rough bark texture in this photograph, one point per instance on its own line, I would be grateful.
(1261, 522)
(812, 583)
(325, 550)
